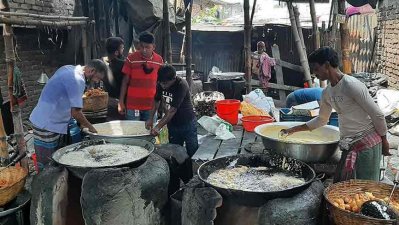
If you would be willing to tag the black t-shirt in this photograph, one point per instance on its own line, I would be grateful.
(178, 96)
(113, 81)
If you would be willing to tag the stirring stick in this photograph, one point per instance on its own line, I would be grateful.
(395, 183)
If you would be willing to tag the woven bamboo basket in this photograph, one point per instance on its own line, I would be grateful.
(350, 188)
(95, 103)
(12, 181)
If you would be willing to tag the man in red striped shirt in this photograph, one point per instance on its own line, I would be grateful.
(140, 80)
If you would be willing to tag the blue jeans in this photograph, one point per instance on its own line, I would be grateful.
(185, 134)
(291, 100)
(144, 115)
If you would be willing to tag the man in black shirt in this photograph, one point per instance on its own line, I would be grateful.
(113, 82)
(180, 117)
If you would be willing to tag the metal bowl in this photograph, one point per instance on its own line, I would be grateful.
(80, 171)
(306, 152)
(120, 124)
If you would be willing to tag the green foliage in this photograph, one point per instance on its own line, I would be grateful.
(209, 15)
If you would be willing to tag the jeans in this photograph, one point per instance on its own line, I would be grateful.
(291, 100)
(144, 115)
(184, 134)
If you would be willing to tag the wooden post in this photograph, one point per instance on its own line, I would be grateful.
(188, 47)
(344, 30)
(316, 33)
(247, 46)
(279, 71)
(301, 52)
(86, 54)
(299, 27)
(333, 37)
(15, 109)
(166, 28)
(315, 28)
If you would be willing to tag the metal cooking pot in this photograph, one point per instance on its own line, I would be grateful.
(310, 152)
(252, 198)
(80, 171)
(119, 124)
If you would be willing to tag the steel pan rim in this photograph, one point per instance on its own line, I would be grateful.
(262, 126)
(57, 154)
(230, 190)
(117, 136)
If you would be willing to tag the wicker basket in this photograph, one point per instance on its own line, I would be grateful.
(350, 188)
(95, 103)
(12, 181)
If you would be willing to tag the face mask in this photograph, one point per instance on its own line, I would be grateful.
(146, 69)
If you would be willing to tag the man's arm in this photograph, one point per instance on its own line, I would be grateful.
(319, 121)
(78, 115)
(122, 95)
(165, 120)
(149, 123)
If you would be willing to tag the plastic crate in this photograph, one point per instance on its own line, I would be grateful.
(284, 116)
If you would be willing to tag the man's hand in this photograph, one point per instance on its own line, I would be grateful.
(155, 131)
(385, 147)
(92, 129)
(121, 108)
(149, 124)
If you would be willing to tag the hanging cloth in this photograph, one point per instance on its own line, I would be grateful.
(19, 90)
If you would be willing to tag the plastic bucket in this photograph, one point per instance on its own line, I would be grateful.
(228, 110)
(250, 122)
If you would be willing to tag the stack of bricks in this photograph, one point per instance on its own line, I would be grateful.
(44, 7)
(387, 49)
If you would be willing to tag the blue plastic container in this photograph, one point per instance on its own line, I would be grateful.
(74, 131)
(284, 116)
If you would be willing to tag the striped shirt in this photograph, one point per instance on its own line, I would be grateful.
(142, 86)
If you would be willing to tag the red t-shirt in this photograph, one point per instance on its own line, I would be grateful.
(142, 87)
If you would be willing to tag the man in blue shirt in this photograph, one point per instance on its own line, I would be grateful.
(303, 96)
(61, 100)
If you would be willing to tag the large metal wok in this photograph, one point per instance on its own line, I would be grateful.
(80, 171)
(251, 198)
(120, 125)
(306, 152)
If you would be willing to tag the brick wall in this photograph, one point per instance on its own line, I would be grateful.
(30, 60)
(387, 54)
(45, 7)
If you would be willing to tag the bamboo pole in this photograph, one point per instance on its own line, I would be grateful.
(86, 54)
(253, 13)
(333, 38)
(45, 17)
(301, 52)
(166, 29)
(299, 27)
(316, 33)
(24, 22)
(188, 46)
(247, 46)
(344, 31)
(315, 28)
(15, 109)
(116, 10)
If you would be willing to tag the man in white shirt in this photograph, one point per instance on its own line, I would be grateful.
(362, 124)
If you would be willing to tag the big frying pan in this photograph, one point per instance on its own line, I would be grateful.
(251, 198)
(80, 171)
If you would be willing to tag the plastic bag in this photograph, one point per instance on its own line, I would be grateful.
(248, 109)
(388, 101)
(217, 126)
(258, 99)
